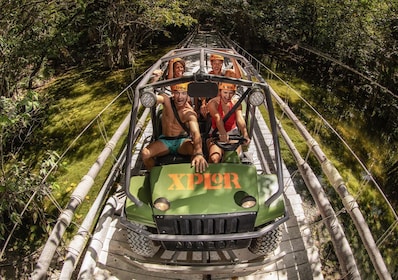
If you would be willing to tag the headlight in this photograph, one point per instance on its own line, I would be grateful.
(245, 200)
(162, 204)
(148, 98)
(248, 202)
(256, 97)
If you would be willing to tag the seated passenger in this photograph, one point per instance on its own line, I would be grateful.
(218, 107)
(175, 68)
(217, 62)
(180, 130)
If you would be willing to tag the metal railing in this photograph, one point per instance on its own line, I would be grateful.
(77, 197)
(342, 248)
(336, 181)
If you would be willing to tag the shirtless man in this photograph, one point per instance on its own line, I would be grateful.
(174, 138)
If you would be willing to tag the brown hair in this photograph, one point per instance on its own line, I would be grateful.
(182, 62)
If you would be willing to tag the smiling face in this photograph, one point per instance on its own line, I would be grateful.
(226, 95)
(216, 66)
(180, 97)
(178, 69)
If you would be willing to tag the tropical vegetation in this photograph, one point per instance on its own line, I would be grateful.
(348, 49)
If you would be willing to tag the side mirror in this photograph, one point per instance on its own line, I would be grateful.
(202, 89)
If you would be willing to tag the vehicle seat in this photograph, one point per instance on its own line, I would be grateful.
(157, 125)
(172, 159)
(204, 127)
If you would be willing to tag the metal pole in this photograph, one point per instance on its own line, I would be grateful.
(77, 198)
(337, 235)
(339, 185)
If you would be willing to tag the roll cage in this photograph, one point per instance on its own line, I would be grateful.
(204, 85)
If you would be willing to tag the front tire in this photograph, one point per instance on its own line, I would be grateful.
(140, 244)
(266, 244)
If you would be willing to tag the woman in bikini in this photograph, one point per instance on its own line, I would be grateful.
(218, 107)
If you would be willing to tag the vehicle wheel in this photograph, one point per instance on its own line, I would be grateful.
(267, 243)
(140, 244)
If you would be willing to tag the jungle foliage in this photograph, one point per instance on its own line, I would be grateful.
(349, 48)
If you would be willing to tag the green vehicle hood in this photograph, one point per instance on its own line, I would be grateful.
(212, 192)
(216, 191)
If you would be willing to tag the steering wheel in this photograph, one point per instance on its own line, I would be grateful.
(234, 142)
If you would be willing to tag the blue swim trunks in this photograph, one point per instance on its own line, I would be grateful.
(173, 143)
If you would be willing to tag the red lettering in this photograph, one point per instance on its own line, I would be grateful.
(235, 179)
(176, 182)
(227, 181)
(209, 181)
(213, 178)
(192, 182)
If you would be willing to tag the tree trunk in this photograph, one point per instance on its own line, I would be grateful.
(35, 70)
(108, 60)
(125, 52)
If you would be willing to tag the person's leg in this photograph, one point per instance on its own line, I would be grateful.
(154, 149)
(215, 153)
(186, 147)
